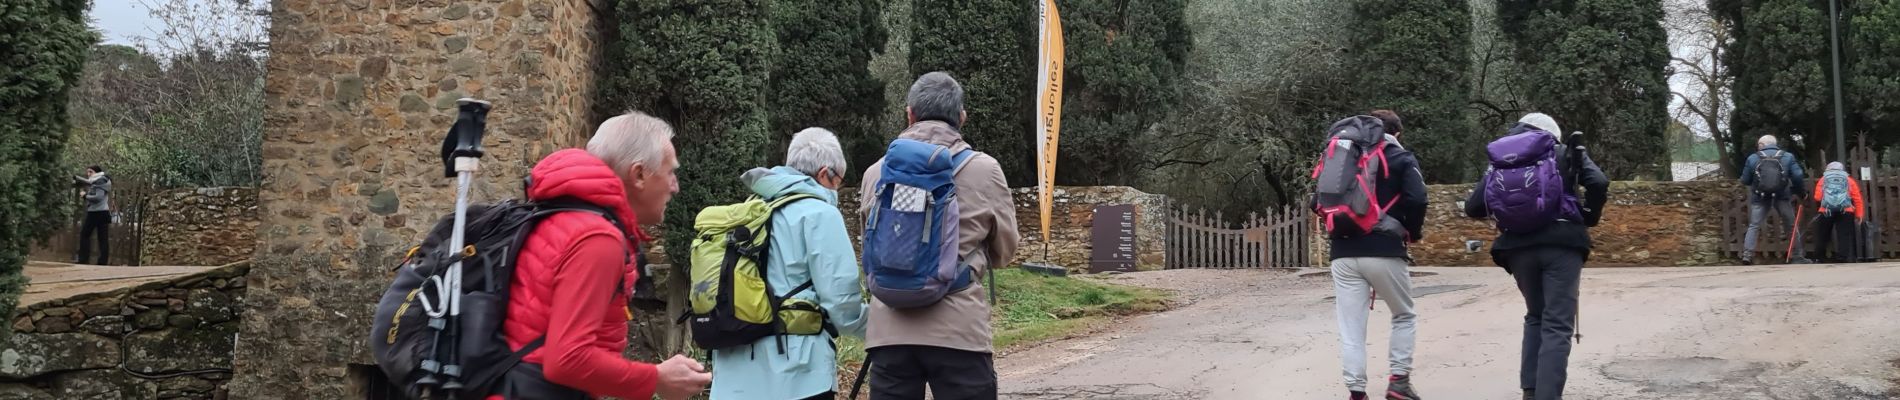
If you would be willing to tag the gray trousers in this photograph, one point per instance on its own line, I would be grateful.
(1548, 278)
(1354, 278)
(1757, 212)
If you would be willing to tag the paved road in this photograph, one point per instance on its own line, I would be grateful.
(1792, 332)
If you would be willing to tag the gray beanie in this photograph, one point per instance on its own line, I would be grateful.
(1836, 166)
(1544, 122)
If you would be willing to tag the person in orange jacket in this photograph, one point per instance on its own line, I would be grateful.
(1840, 209)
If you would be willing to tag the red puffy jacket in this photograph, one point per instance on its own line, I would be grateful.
(572, 282)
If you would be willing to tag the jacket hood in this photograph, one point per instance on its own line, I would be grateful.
(574, 174)
(936, 132)
(1544, 123)
(1520, 127)
(773, 183)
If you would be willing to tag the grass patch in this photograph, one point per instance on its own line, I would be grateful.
(1038, 307)
(1034, 308)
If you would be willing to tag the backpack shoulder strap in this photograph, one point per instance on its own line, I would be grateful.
(963, 159)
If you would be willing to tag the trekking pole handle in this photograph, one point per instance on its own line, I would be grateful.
(464, 140)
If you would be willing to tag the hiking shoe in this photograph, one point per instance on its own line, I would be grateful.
(1400, 388)
(1356, 396)
(1530, 394)
(1748, 262)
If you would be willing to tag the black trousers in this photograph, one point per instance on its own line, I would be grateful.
(900, 373)
(1548, 278)
(1844, 234)
(823, 396)
(97, 223)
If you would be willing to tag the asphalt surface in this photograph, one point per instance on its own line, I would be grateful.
(1763, 332)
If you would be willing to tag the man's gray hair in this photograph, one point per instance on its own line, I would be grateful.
(936, 97)
(1765, 141)
(815, 149)
(631, 138)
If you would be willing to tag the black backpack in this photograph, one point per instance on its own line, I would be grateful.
(416, 352)
(1770, 177)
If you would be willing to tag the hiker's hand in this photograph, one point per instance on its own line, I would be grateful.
(681, 378)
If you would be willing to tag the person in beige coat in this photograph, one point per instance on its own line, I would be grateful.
(947, 345)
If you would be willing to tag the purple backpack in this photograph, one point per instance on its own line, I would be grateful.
(1524, 188)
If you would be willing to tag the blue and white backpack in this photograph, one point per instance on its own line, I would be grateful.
(910, 235)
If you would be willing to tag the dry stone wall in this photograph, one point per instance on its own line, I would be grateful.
(1644, 224)
(359, 94)
(200, 226)
(162, 340)
(1072, 216)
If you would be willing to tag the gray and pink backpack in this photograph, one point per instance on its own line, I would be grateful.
(1346, 179)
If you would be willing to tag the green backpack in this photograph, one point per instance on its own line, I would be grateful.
(732, 302)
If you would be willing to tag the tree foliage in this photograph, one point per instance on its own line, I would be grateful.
(1123, 72)
(822, 76)
(45, 51)
(1255, 110)
(1414, 57)
(702, 66)
(1599, 66)
(183, 108)
(1779, 63)
(989, 46)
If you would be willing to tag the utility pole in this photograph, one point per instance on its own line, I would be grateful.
(1840, 120)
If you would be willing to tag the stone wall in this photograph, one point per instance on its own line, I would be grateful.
(359, 94)
(1072, 215)
(200, 226)
(1645, 224)
(161, 340)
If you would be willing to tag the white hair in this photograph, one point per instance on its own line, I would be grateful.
(815, 149)
(629, 139)
(1765, 141)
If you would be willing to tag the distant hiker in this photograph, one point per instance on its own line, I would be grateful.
(98, 222)
(574, 272)
(1774, 180)
(1369, 237)
(930, 314)
(811, 266)
(1543, 239)
(1840, 212)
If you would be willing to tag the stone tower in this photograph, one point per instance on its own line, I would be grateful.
(360, 93)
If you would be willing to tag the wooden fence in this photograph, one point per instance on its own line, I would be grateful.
(1880, 192)
(1276, 240)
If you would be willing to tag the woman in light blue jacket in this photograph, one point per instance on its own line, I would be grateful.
(809, 243)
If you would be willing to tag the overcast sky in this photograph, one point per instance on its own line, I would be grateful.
(118, 21)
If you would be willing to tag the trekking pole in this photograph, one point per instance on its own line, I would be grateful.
(1795, 233)
(1576, 177)
(461, 152)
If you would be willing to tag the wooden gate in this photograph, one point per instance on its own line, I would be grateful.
(1276, 240)
(125, 236)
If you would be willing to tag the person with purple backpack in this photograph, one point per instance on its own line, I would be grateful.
(1371, 197)
(1530, 191)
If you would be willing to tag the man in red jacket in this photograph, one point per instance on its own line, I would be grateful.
(576, 270)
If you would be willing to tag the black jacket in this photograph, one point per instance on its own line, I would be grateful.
(1404, 183)
(1568, 234)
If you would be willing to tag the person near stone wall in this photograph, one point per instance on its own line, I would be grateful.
(575, 271)
(1779, 199)
(1377, 262)
(810, 248)
(946, 345)
(1548, 265)
(98, 222)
